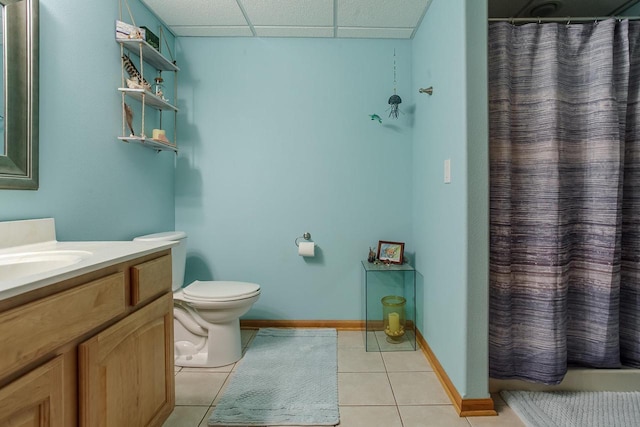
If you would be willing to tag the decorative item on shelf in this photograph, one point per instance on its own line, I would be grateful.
(390, 252)
(151, 38)
(133, 84)
(393, 317)
(375, 117)
(133, 72)
(159, 135)
(129, 116)
(158, 87)
(372, 255)
(128, 31)
(395, 99)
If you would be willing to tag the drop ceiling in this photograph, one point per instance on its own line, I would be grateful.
(389, 19)
(392, 19)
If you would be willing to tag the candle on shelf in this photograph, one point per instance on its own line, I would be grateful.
(158, 134)
(394, 323)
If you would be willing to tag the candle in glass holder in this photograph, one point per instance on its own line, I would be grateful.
(394, 323)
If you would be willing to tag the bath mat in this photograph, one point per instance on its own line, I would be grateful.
(575, 408)
(286, 377)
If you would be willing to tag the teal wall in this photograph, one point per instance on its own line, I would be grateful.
(95, 187)
(632, 11)
(450, 221)
(276, 141)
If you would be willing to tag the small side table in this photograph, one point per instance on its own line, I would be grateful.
(382, 331)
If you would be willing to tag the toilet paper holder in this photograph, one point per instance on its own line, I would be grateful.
(305, 236)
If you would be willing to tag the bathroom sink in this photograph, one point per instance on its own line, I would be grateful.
(22, 264)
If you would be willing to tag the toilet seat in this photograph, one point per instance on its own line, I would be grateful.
(214, 291)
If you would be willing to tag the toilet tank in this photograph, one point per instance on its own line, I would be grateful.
(178, 253)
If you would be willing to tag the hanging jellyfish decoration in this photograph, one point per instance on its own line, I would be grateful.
(394, 100)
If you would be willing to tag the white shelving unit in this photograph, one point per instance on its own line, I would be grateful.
(149, 56)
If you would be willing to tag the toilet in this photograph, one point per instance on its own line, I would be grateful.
(206, 313)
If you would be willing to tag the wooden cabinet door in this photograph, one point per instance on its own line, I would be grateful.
(126, 372)
(35, 399)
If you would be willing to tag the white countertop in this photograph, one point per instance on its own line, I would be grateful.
(38, 235)
(103, 254)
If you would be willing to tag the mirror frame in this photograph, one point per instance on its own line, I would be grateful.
(19, 164)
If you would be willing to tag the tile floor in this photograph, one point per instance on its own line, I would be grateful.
(375, 389)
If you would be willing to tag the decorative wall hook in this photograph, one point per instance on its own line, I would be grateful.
(305, 236)
(428, 90)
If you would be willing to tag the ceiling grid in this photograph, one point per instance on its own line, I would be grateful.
(388, 19)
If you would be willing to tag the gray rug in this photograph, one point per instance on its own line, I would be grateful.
(287, 377)
(575, 408)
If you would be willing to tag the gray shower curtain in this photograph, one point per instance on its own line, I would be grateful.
(565, 198)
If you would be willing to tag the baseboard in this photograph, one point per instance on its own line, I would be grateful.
(464, 407)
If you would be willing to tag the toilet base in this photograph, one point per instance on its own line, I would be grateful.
(223, 347)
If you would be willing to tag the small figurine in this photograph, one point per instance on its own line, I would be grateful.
(159, 87)
(372, 255)
(375, 117)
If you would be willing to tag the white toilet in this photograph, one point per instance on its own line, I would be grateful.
(206, 313)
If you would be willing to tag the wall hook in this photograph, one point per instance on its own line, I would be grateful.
(428, 90)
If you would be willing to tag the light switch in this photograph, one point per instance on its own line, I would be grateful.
(447, 171)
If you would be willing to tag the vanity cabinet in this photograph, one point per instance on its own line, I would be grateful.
(36, 399)
(124, 380)
(89, 351)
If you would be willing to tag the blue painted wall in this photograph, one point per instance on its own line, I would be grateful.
(276, 141)
(450, 221)
(632, 11)
(94, 186)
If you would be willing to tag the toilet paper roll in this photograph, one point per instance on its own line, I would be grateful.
(307, 249)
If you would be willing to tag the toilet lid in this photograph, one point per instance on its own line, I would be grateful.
(220, 290)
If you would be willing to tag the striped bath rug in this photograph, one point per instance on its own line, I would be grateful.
(286, 377)
(575, 408)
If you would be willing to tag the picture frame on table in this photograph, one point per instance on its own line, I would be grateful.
(391, 252)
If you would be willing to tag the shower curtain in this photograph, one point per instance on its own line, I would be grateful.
(564, 198)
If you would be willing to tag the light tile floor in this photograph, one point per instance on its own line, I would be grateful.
(375, 389)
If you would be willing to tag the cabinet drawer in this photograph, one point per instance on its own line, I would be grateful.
(34, 329)
(150, 279)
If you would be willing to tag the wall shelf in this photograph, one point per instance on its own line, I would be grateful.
(143, 49)
(150, 143)
(151, 99)
(149, 59)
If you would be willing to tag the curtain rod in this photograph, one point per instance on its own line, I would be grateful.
(563, 19)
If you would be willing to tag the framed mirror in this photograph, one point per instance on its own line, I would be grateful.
(20, 90)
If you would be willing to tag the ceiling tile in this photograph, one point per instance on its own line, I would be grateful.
(380, 13)
(198, 12)
(291, 18)
(294, 13)
(204, 31)
(294, 31)
(375, 33)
